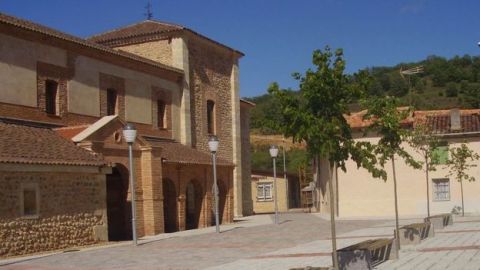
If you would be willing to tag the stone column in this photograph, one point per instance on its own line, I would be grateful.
(152, 191)
(236, 139)
(180, 60)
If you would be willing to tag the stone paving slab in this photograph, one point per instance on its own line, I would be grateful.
(300, 240)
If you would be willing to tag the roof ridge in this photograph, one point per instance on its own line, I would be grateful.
(132, 25)
(45, 30)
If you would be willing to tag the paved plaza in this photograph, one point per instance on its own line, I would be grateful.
(255, 243)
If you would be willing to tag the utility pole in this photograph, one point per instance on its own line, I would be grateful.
(410, 72)
(149, 13)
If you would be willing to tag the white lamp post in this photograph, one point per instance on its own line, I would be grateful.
(130, 133)
(274, 153)
(213, 145)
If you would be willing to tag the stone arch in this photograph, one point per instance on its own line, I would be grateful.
(193, 204)
(169, 205)
(118, 208)
(222, 201)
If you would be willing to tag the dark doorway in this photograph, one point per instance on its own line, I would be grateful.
(193, 208)
(169, 206)
(117, 207)
(222, 200)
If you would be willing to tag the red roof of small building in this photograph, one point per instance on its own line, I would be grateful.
(439, 121)
(31, 145)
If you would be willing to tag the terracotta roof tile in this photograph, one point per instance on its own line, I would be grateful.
(174, 152)
(440, 122)
(437, 120)
(70, 132)
(138, 29)
(30, 145)
(31, 26)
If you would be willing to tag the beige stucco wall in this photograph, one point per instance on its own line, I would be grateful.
(138, 103)
(269, 206)
(360, 195)
(18, 68)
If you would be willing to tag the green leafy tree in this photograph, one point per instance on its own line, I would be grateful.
(424, 142)
(316, 117)
(471, 96)
(461, 160)
(451, 90)
(387, 123)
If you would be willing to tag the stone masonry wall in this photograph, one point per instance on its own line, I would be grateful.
(159, 50)
(246, 161)
(210, 71)
(72, 212)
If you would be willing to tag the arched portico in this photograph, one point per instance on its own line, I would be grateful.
(194, 201)
(169, 206)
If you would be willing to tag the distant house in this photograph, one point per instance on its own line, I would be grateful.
(263, 195)
(361, 195)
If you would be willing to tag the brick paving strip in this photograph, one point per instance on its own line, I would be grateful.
(460, 231)
(440, 249)
(295, 255)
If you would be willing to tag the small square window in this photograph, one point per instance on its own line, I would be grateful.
(264, 191)
(440, 154)
(29, 200)
(441, 189)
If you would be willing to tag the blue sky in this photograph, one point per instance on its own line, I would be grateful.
(279, 36)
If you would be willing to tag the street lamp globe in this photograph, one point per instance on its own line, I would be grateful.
(129, 133)
(213, 143)
(273, 151)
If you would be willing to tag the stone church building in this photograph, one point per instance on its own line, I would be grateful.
(64, 101)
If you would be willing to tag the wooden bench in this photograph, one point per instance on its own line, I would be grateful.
(413, 234)
(440, 221)
(367, 254)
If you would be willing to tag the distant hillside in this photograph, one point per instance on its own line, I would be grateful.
(445, 83)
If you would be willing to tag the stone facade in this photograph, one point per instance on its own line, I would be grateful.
(72, 212)
(246, 158)
(184, 70)
(159, 50)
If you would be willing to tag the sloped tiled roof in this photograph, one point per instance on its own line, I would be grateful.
(174, 152)
(30, 145)
(145, 29)
(34, 27)
(70, 132)
(138, 29)
(440, 121)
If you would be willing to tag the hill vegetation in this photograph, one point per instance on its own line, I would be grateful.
(443, 84)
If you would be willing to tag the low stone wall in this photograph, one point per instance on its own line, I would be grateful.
(71, 212)
(24, 236)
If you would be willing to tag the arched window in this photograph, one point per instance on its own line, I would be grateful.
(51, 97)
(111, 101)
(211, 125)
(161, 115)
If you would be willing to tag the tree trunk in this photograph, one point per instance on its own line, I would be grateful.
(428, 186)
(397, 234)
(332, 218)
(463, 206)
